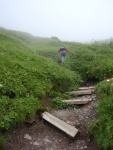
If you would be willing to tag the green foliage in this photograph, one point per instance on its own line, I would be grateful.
(2, 141)
(102, 128)
(104, 88)
(57, 102)
(91, 62)
(100, 69)
(26, 77)
(24, 74)
(15, 111)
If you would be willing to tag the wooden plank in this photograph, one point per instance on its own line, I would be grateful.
(91, 87)
(83, 88)
(77, 101)
(81, 92)
(87, 88)
(68, 129)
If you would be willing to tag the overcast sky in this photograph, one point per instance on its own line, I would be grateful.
(69, 20)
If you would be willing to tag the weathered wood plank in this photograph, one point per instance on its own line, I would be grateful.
(81, 92)
(86, 88)
(83, 88)
(77, 101)
(68, 129)
(91, 87)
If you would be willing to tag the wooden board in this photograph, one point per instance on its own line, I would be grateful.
(68, 129)
(91, 87)
(87, 88)
(77, 101)
(81, 92)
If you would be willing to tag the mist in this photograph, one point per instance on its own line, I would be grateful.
(69, 20)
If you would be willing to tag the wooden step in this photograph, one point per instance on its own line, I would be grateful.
(87, 88)
(68, 129)
(81, 92)
(77, 101)
(92, 88)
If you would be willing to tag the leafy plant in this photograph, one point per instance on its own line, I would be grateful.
(104, 88)
(102, 128)
(91, 62)
(17, 111)
(2, 141)
(57, 102)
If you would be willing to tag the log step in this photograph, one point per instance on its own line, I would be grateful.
(68, 129)
(77, 101)
(81, 92)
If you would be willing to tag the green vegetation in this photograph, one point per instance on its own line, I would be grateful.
(29, 73)
(92, 61)
(58, 103)
(102, 128)
(17, 110)
(2, 142)
(104, 88)
(26, 77)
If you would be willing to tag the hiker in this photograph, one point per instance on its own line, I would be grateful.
(63, 52)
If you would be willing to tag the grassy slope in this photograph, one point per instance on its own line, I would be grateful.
(26, 78)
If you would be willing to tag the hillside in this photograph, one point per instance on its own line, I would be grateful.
(27, 78)
(30, 78)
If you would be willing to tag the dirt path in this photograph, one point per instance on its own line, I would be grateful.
(43, 136)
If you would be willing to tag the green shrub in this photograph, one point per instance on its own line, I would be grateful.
(2, 141)
(79, 60)
(91, 63)
(102, 128)
(15, 111)
(100, 69)
(57, 102)
(35, 76)
(104, 88)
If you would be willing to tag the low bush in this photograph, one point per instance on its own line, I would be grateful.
(15, 111)
(57, 102)
(25, 74)
(2, 141)
(102, 128)
(91, 63)
(104, 88)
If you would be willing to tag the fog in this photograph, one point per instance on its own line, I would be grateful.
(69, 20)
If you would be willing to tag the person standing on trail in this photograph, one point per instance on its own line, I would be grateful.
(63, 52)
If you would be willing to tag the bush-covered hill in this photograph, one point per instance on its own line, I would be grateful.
(44, 46)
(26, 78)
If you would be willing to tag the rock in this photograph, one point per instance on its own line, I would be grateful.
(48, 141)
(27, 136)
(36, 143)
(85, 147)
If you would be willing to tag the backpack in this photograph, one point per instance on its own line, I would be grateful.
(63, 51)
